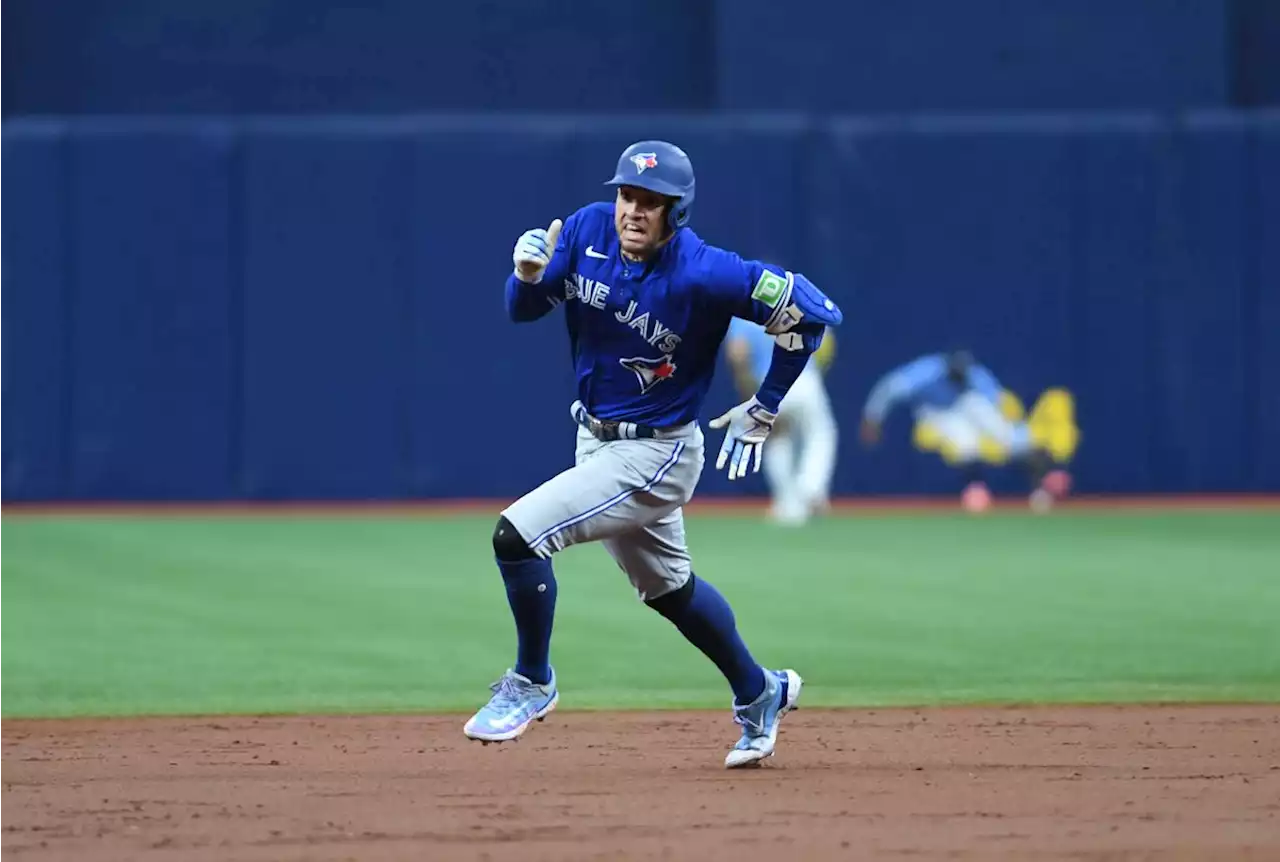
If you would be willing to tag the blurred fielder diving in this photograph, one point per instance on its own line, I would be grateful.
(965, 415)
(802, 447)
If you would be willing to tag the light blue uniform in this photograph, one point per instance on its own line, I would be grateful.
(923, 382)
(963, 415)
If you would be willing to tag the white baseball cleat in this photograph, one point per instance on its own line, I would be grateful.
(517, 702)
(760, 718)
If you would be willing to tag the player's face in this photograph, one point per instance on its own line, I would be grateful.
(641, 218)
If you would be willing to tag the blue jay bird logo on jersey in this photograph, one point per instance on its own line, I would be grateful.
(644, 160)
(650, 372)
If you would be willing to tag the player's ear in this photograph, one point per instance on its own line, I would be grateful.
(666, 214)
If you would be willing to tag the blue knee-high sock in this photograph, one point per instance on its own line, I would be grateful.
(531, 592)
(704, 617)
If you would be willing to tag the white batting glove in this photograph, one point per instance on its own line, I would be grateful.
(533, 252)
(748, 425)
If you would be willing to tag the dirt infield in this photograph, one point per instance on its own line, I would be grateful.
(1195, 782)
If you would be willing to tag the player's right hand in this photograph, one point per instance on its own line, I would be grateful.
(533, 252)
(746, 428)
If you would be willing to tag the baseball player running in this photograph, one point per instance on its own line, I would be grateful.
(646, 303)
(802, 445)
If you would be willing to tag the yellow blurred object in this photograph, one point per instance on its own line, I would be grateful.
(1052, 426)
(826, 352)
(1011, 406)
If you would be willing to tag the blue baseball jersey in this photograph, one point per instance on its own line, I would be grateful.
(759, 347)
(644, 336)
(923, 382)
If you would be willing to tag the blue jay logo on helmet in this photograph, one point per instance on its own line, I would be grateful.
(644, 160)
(660, 167)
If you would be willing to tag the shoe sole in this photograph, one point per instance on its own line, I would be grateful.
(753, 758)
(515, 732)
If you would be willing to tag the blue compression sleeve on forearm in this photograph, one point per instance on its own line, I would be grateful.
(784, 370)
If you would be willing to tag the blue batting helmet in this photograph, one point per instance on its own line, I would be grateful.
(659, 167)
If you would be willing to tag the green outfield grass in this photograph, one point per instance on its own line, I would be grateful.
(133, 615)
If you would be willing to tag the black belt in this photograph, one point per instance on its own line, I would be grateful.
(608, 430)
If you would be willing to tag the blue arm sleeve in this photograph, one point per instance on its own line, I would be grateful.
(761, 293)
(900, 384)
(787, 365)
(527, 302)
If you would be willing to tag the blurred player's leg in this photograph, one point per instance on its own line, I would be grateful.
(780, 471)
(799, 470)
(961, 438)
(1047, 483)
(819, 437)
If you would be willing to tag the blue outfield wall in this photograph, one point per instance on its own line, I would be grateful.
(312, 309)
(868, 56)
(597, 56)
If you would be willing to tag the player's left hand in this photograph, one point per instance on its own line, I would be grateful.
(748, 425)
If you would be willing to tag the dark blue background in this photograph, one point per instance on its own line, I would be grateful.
(256, 249)
(313, 308)
(380, 56)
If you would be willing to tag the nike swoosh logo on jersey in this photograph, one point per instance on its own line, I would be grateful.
(591, 252)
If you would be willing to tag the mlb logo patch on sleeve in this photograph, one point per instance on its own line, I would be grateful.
(770, 289)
